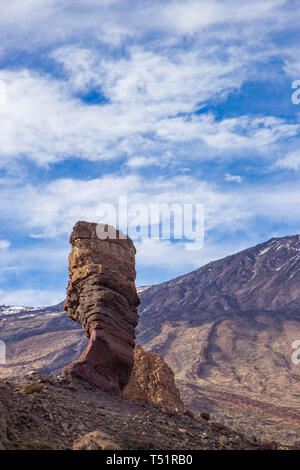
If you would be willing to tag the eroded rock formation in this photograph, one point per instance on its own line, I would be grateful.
(102, 296)
(152, 380)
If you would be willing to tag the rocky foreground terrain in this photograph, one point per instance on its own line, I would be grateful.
(225, 329)
(48, 412)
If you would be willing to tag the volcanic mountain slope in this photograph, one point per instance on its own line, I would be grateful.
(43, 339)
(227, 331)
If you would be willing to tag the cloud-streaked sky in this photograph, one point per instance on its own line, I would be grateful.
(160, 101)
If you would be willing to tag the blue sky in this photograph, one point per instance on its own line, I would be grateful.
(161, 101)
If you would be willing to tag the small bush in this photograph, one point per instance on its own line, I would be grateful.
(205, 416)
(40, 445)
(32, 387)
(223, 441)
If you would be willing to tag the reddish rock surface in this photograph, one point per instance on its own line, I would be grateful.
(102, 296)
(152, 380)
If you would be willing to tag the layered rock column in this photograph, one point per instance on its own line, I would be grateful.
(102, 296)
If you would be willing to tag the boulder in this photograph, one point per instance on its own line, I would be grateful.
(152, 380)
(96, 440)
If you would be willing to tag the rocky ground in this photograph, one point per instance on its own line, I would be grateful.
(47, 412)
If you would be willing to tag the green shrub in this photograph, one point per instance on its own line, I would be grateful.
(223, 441)
(40, 445)
(32, 387)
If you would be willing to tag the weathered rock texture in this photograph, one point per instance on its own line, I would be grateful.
(3, 427)
(57, 413)
(96, 440)
(102, 296)
(152, 380)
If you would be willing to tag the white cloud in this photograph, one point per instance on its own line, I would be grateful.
(4, 244)
(52, 209)
(140, 162)
(244, 132)
(194, 15)
(146, 87)
(163, 82)
(42, 22)
(174, 258)
(44, 122)
(233, 178)
(48, 21)
(291, 161)
(16, 263)
(31, 297)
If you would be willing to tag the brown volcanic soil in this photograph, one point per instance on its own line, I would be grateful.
(50, 413)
